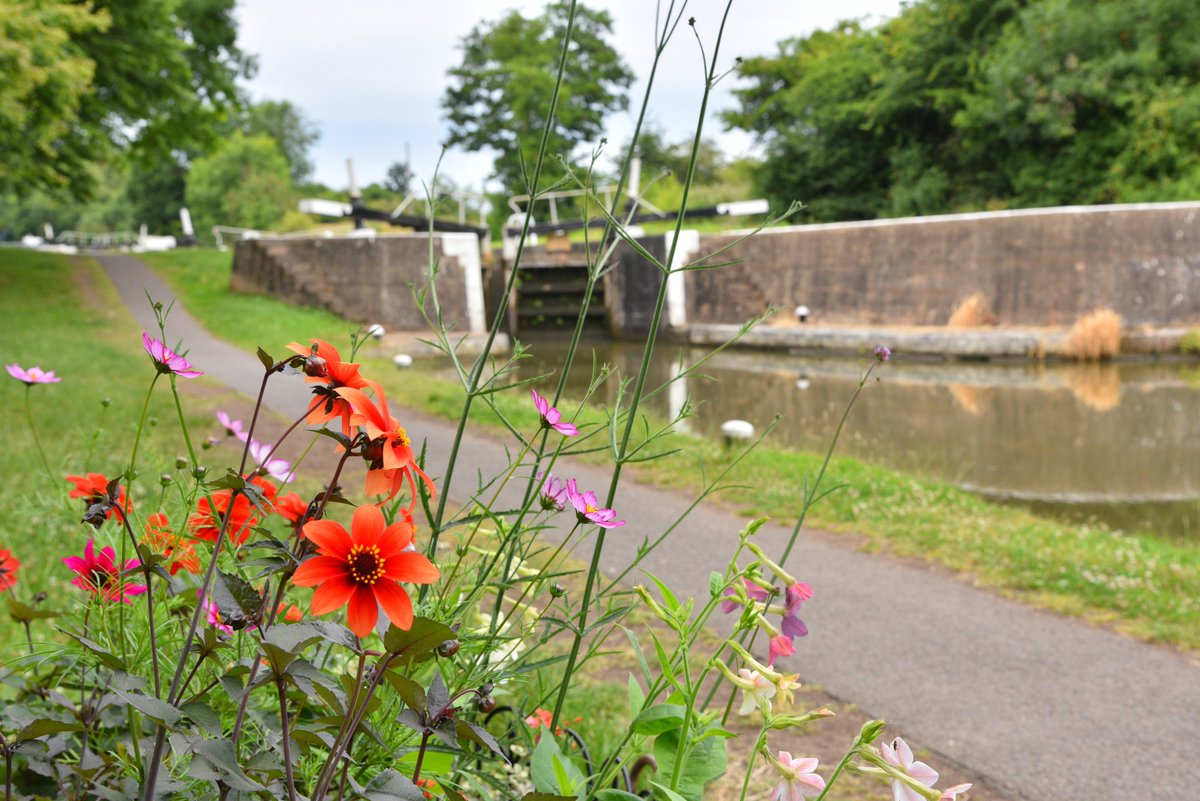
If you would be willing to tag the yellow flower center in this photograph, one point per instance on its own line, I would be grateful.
(589, 509)
(400, 437)
(366, 565)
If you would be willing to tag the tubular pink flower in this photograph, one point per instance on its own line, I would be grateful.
(554, 493)
(755, 591)
(167, 360)
(899, 754)
(780, 646)
(98, 573)
(795, 596)
(587, 508)
(551, 417)
(34, 375)
(800, 778)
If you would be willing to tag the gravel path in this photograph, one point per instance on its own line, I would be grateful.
(1042, 706)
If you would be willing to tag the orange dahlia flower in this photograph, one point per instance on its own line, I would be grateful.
(9, 565)
(92, 488)
(178, 550)
(205, 524)
(337, 374)
(362, 569)
(391, 457)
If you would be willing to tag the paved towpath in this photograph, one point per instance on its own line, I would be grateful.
(1042, 706)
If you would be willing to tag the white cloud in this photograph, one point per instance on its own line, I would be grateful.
(371, 72)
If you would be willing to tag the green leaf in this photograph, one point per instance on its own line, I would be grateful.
(703, 763)
(43, 727)
(668, 792)
(412, 693)
(640, 654)
(417, 643)
(153, 708)
(265, 358)
(716, 584)
(611, 794)
(216, 760)
(107, 657)
(658, 719)
(568, 780)
(391, 785)
(536, 796)
(24, 613)
(637, 698)
(477, 734)
(668, 597)
(203, 716)
(283, 642)
(548, 763)
(237, 601)
(664, 662)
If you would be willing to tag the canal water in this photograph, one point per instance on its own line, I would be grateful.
(1114, 443)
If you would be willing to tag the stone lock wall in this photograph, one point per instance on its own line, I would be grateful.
(367, 280)
(1034, 267)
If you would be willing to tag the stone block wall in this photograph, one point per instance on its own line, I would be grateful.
(1034, 267)
(367, 280)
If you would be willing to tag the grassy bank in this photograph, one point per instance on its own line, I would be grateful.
(1141, 585)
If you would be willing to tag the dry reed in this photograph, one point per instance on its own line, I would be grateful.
(970, 313)
(1094, 336)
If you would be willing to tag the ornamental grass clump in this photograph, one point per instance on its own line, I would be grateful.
(364, 636)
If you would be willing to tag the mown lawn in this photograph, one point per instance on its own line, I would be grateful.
(1139, 584)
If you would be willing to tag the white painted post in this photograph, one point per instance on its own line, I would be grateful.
(185, 219)
(689, 245)
(465, 248)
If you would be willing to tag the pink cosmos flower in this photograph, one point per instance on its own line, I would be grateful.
(587, 508)
(951, 793)
(800, 780)
(883, 353)
(278, 469)
(34, 375)
(756, 592)
(796, 595)
(554, 493)
(214, 618)
(167, 360)
(899, 754)
(551, 416)
(232, 427)
(780, 646)
(98, 573)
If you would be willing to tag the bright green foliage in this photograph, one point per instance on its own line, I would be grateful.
(290, 128)
(967, 104)
(245, 183)
(499, 96)
(147, 77)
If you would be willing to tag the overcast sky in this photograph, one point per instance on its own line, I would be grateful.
(371, 73)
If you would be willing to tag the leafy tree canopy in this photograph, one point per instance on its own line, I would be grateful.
(968, 104)
(499, 95)
(291, 129)
(82, 81)
(245, 183)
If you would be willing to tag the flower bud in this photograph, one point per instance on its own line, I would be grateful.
(180, 462)
(316, 367)
(557, 590)
(448, 648)
(106, 402)
(199, 471)
(165, 479)
(152, 422)
(486, 703)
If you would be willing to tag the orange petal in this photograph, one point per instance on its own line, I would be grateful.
(331, 595)
(330, 537)
(362, 612)
(364, 411)
(395, 538)
(411, 567)
(367, 525)
(318, 570)
(396, 603)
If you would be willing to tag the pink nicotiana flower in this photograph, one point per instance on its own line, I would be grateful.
(34, 375)
(98, 573)
(899, 754)
(757, 691)
(167, 360)
(278, 469)
(554, 493)
(755, 591)
(951, 793)
(588, 509)
(796, 595)
(551, 417)
(780, 646)
(232, 427)
(800, 778)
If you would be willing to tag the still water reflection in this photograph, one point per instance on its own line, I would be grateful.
(1114, 443)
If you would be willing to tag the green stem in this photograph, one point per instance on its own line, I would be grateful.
(36, 439)
(837, 772)
(289, 769)
(137, 439)
(758, 746)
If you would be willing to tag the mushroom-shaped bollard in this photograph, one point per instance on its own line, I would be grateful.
(802, 313)
(734, 430)
(802, 383)
(402, 360)
(375, 330)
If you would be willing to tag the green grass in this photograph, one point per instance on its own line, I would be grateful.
(1141, 585)
(64, 316)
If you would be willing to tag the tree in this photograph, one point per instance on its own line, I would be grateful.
(245, 183)
(499, 95)
(81, 81)
(399, 178)
(290, 128)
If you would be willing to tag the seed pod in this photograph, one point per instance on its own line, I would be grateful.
(448, 648)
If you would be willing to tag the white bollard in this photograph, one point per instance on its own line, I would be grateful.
(402, 360)
(735, 430)
(375, 330)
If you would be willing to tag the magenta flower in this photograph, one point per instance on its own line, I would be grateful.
(588, 509)
(98, 574)
(232, 427)
(780, 646)
(883, 353)
(167, 360)
(554, 493)
(899, 754)
(551, 416)
(800, 778)
(278, 469)
(214, 618)
(755, 591)
(796, 595)
(34, 375)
